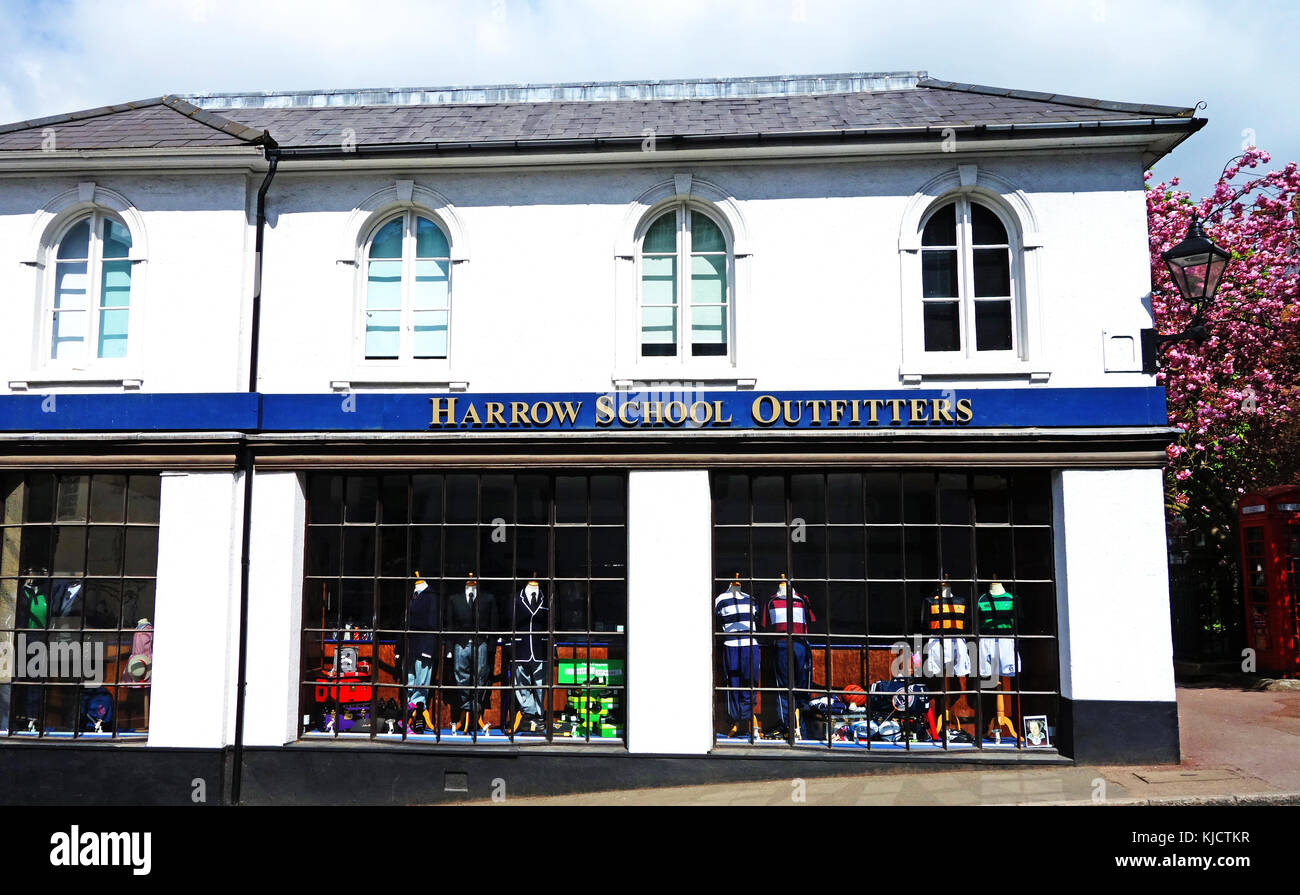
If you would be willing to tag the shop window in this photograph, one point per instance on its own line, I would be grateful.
(883, 610)
(466, 607)
(77, 581)
(968, 281)
(406, 305)
(685, 303)
(88, 302)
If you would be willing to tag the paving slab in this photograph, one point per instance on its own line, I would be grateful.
(1240, 746)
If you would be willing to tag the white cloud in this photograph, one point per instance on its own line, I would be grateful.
(81, 53)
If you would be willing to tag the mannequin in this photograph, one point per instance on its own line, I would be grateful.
(138, 669)
(946, 621)
(740, 657)
(473, 618)
(139, 665)
(997, 622)
(530, 617)
(421, 621)
(31, 613)
(788, 613)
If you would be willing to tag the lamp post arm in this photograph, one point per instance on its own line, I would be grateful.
(1154, 344)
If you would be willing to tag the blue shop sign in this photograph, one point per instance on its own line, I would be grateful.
(649, 410)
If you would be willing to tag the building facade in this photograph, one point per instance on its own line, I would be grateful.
(578, 434)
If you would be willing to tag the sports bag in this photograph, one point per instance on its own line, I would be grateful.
(898, 695)
(97, 706)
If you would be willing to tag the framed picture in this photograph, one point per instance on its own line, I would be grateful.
(1035, 728)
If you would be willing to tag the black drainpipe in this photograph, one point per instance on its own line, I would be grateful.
(245, 464)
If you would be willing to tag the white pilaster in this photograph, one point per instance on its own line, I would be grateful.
(1112, 585)
(670, 660)
(275, 609)
(196, 634)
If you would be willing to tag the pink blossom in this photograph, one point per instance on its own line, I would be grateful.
(1233, 398)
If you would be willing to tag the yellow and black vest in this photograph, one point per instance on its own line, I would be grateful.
(946, 614)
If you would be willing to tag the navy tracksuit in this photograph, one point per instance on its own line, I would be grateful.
(790, 615)
(802, 676)
(740, 655)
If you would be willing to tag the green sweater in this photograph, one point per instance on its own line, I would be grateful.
(997, 613)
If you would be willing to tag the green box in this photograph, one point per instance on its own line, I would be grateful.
(586, 712)
(580, 672)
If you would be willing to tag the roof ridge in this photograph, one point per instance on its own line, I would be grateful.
(1060, 99)
(218, 122)
(1063, 99)
(758, 86)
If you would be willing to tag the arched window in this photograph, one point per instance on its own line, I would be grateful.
(90, 300)
(685, 295)
(968, 280)
(407, 302)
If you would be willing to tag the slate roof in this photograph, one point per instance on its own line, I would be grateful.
(727, 108)
(469, 123)
(155, 123)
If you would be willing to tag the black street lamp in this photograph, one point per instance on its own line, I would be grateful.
(1197, 266)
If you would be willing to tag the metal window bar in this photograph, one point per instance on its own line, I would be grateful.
(43, 690)
(584, 640)
(1017, 703)
(966, 639)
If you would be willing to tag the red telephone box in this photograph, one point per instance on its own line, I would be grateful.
(1269, 520)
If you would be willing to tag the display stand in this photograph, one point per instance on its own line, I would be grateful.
(947, 720)
(1001, 720)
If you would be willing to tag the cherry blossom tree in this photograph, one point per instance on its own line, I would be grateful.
(1236, 396)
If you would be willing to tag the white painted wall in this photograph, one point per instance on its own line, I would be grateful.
(275, 609)
(1112, 585)
(823, 304)
(196, 635)
(819, 301)
(670, 651)
(189, 292)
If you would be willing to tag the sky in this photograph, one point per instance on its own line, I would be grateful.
(1239, 58)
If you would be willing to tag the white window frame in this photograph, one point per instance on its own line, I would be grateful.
(633, 371)
(685, 305)
(406, 338)
(966, 300)
(94, 280)
(1029, 359)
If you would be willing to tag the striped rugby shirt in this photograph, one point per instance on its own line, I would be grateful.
(737, 613)
(798, 610)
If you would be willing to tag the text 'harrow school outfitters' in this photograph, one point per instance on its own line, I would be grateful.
(766, 410)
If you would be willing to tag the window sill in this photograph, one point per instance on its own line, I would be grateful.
(718, 376)
(52, 379)
(912, 374)
(398, 381)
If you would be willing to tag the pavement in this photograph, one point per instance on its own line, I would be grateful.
(1240, 745)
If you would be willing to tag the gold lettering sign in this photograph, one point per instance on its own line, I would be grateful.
(765, 411)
